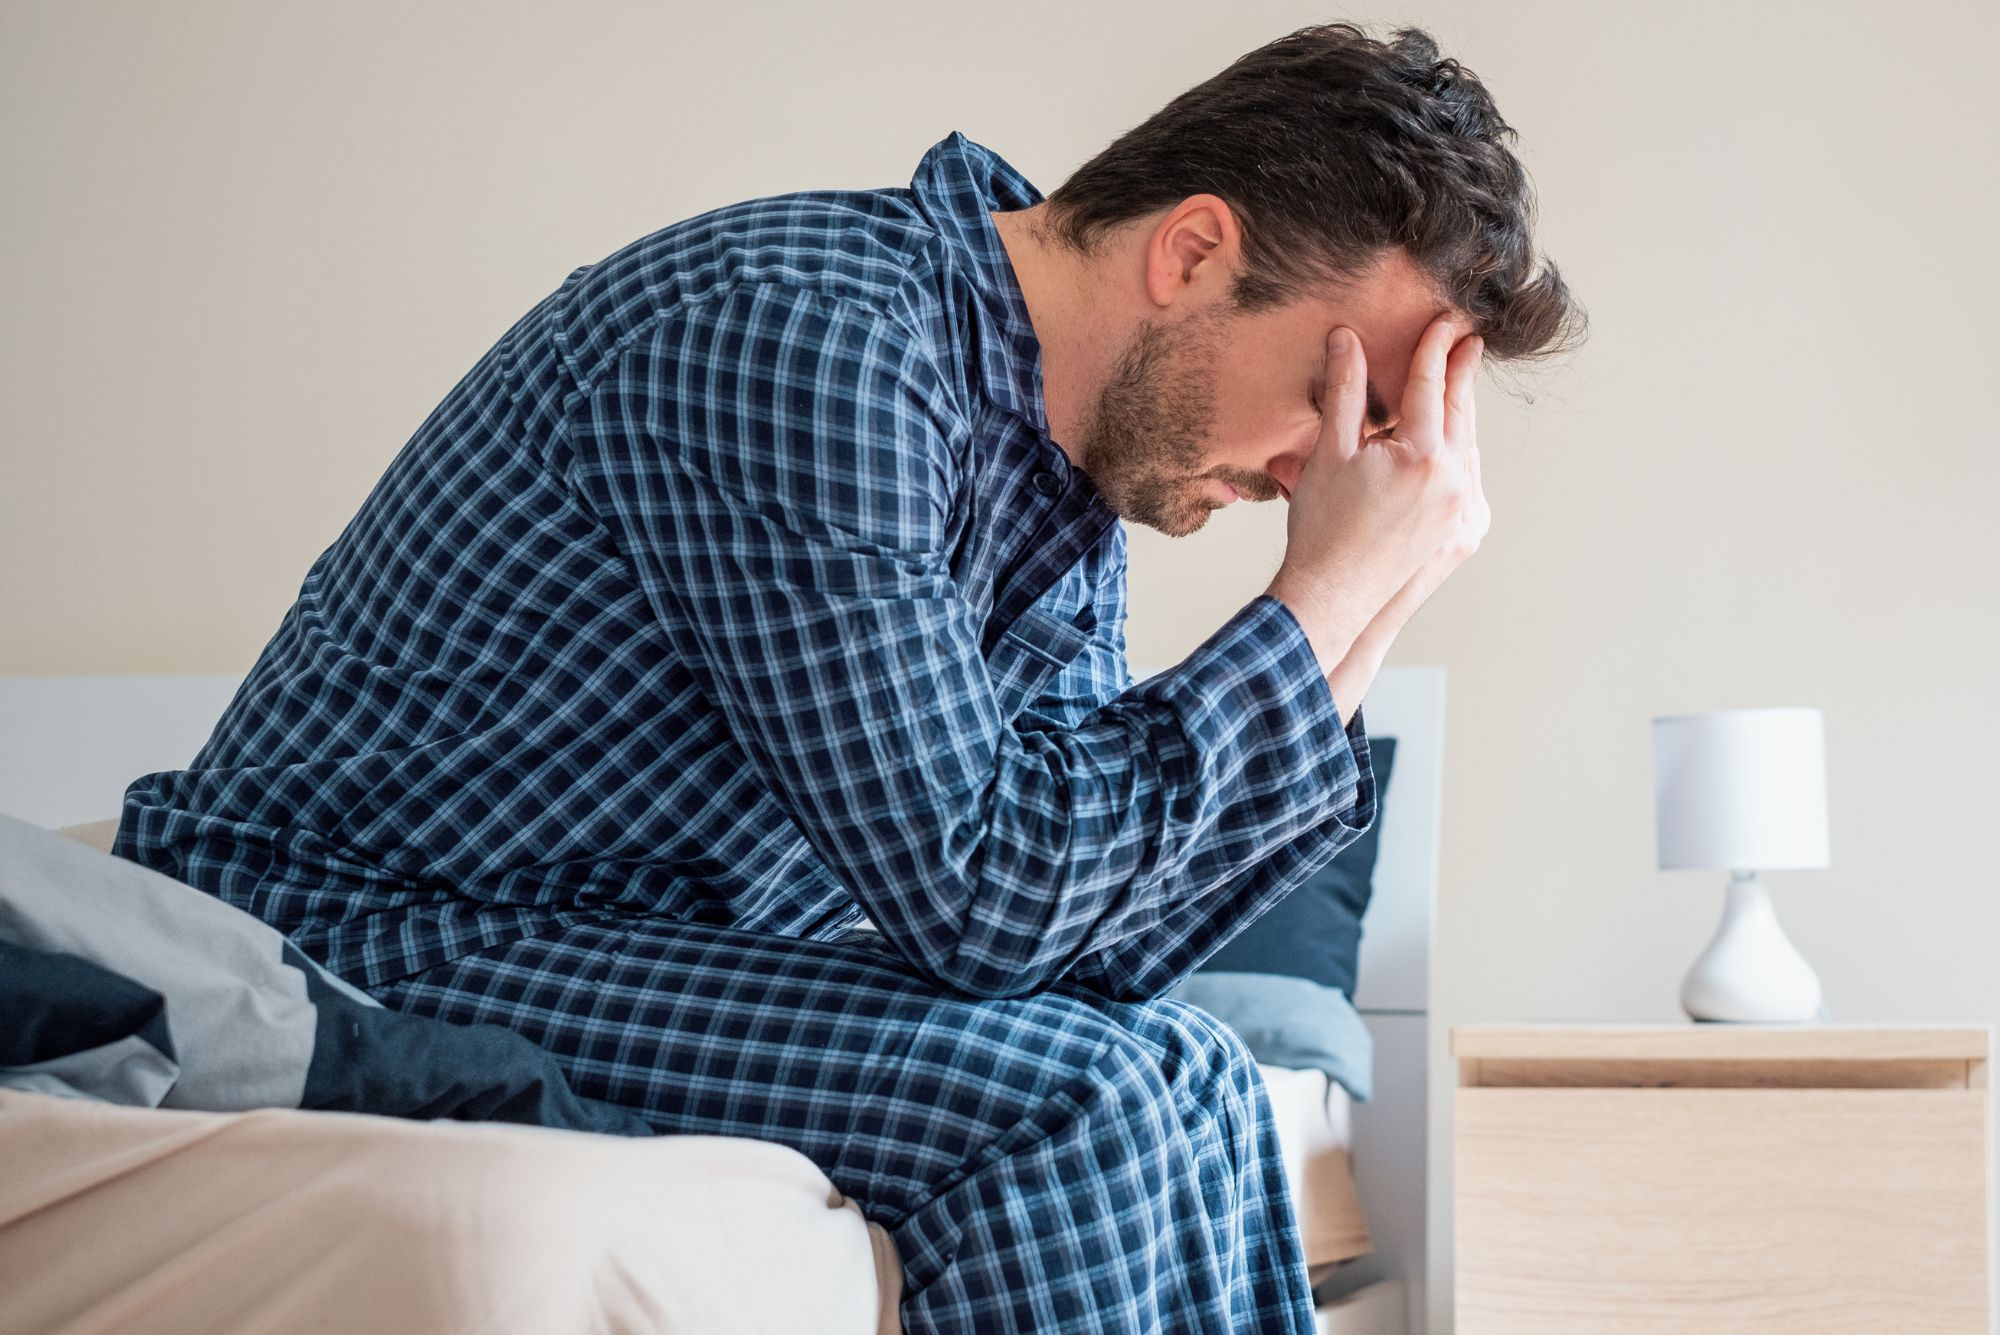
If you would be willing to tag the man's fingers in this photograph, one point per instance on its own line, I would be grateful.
(1423, 392)
(1344, 408)
(1460, 377)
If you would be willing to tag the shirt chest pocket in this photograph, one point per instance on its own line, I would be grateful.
(1038, 645)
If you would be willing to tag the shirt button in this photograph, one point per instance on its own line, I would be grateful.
(1046, 483)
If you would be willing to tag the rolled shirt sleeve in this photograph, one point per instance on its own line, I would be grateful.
(781, 466)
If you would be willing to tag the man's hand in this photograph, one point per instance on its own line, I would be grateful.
(1376, 523)
(1354, 674)
(1475, 519)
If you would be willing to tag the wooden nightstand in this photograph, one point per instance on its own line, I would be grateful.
(1710, 1178)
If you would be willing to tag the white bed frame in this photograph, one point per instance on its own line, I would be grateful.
(69, 746)
(1404, 1199)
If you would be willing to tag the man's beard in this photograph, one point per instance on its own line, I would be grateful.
(1146, 441)
(1147, 434)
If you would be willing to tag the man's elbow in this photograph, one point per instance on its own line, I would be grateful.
(1117, 979)
(988, 982)
(957, 967)
(991, 964)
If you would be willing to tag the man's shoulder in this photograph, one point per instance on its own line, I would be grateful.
(871, 249)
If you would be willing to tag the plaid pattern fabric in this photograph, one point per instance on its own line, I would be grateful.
(740, 585)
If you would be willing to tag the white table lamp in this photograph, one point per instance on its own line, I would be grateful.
(1744, 790)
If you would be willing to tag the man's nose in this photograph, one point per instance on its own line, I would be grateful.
(1285, 470)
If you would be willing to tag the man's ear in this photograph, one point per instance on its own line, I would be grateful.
(1192, 252)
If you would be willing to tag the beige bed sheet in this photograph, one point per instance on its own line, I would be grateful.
(170, 1222)
(119, 1219)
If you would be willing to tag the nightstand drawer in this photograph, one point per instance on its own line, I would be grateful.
(1653, 1210)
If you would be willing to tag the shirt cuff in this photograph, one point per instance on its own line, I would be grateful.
(1360, 814)
(1257, 678)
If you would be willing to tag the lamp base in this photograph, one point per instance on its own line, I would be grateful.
(1751, 972)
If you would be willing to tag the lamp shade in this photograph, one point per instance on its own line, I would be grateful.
(1741, 788)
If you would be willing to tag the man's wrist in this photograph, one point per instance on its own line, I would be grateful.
(1353, 675)
(1331, 627)
(1396, 613)
(1350, 678)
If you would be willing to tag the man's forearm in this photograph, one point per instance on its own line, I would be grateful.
(1352, 676)
(1355, 672)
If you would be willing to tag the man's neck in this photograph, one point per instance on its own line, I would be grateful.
(1074, 316)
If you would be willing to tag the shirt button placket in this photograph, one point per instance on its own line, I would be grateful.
(1046, 482)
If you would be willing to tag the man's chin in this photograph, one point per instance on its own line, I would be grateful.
(1179, 524)
(1174, 511)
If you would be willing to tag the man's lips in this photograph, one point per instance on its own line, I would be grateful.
(1231, 492)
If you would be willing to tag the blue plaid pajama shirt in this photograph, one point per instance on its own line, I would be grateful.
(738, 593)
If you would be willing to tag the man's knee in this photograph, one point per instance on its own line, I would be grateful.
(1184, 1052)
(1088, 1048)
(1202, 1062)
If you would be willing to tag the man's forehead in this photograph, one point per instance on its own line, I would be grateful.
(1388, 308)
(1387, 354)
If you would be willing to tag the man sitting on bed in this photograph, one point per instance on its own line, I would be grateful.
(767, 576)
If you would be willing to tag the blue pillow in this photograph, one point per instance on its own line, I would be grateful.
(1315, 932)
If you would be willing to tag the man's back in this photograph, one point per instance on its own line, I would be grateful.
(488, 713)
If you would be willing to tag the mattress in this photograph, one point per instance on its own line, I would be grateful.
(116, 1219)
(1315, 1133)
(434, 1217)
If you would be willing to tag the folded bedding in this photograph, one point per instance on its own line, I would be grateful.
(124, 985)
(1315, 1136)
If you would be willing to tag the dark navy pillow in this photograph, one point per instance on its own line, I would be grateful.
(1315, 931)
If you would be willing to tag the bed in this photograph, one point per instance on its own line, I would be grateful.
(693, 1208)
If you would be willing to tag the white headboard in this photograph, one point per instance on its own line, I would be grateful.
(69, 745)
(1403, 1198)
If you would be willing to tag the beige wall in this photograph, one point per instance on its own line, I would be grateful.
(246, 252)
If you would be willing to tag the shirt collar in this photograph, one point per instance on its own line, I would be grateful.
(959, 183)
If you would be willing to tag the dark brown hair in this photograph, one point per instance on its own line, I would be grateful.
(1333, 147)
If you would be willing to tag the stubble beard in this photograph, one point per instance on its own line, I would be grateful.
(1146, 443)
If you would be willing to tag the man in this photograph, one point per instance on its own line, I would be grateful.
(767, 576)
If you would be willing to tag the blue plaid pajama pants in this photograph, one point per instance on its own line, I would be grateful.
(1050, 1163)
